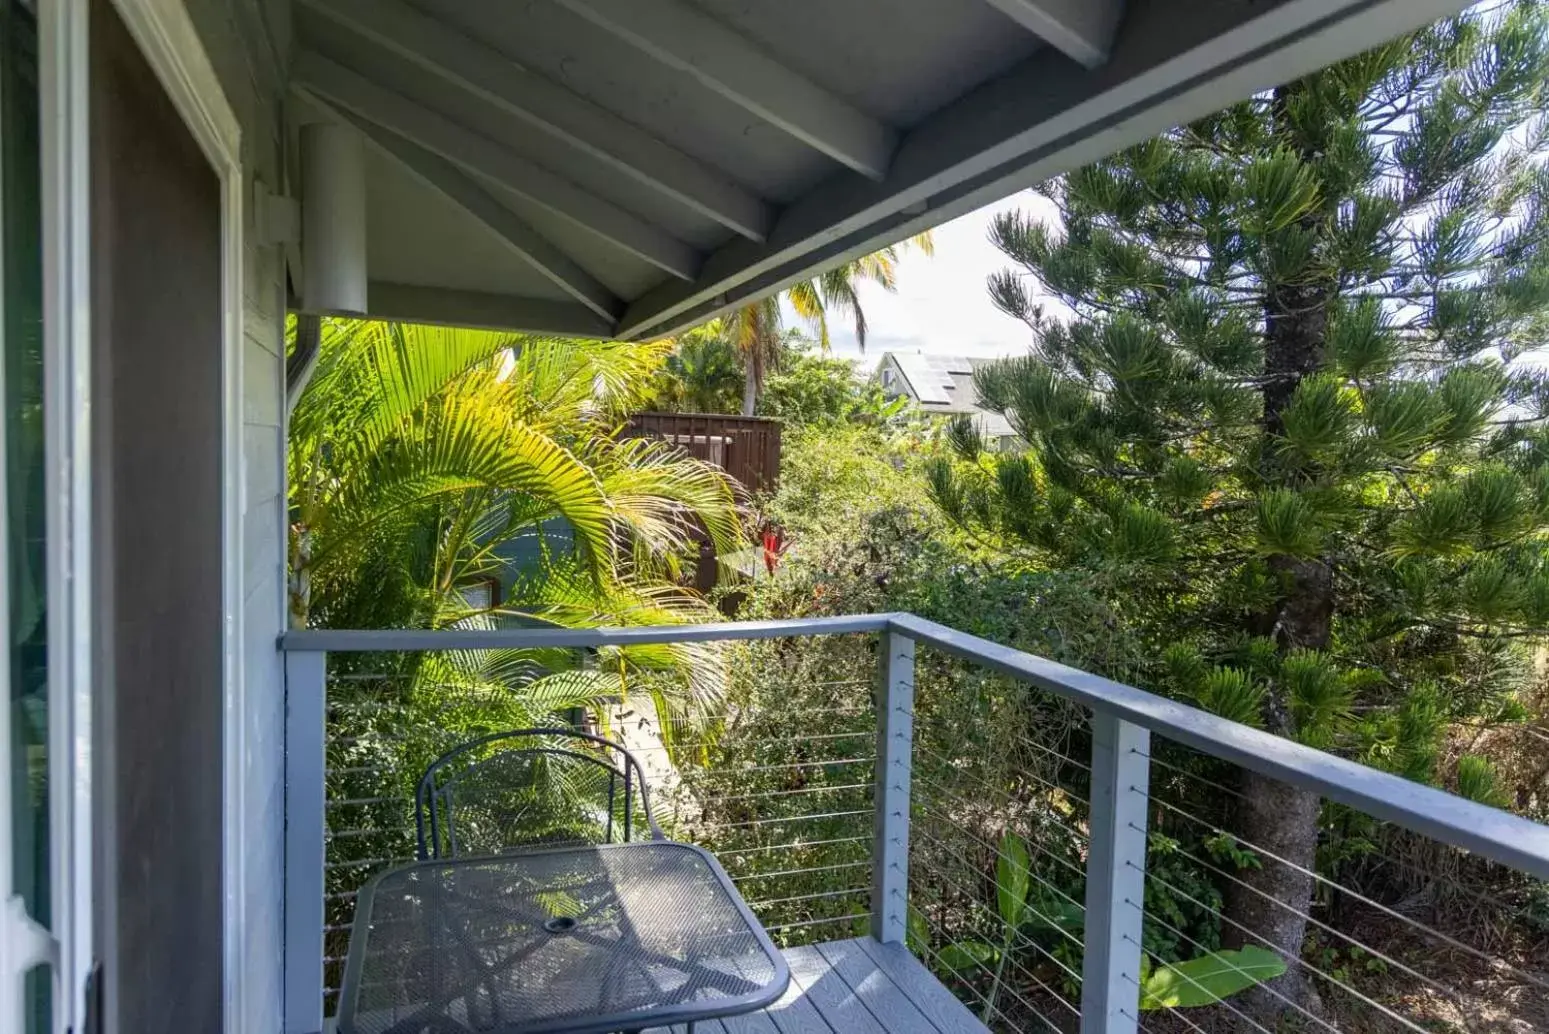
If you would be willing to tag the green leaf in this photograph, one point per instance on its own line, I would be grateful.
(1439, 526)
(1498, 502)
(964, 438)
(1318, 420)
(1232, 694)
(1360, 342)
(967, 958)
(1209, 978)
(1276, 189)
(1477, 780)
(1321, 699)
(1046, 910)
(1185, 481)
(1142, 535)
(1404, 417)
(1490, 591)
(1287, 524)
(918, 928)
(1184, 665)
(1470, 395)
(1012, 876)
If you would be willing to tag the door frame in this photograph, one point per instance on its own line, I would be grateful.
(171, 46)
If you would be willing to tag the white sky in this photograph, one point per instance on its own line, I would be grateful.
(942, 305)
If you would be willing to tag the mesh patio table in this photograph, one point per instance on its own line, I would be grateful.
(580, 940)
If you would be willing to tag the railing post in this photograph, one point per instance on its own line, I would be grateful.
(1115, 876)
(305, 721)
(895, 748)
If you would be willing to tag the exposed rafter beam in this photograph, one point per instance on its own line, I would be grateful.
(1043, 117)
(411, 303)
(483, 71)
(1083, 29)
(433, 131)
(679, 35)
(537, 250)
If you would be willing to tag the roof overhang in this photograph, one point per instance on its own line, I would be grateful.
(627, 168)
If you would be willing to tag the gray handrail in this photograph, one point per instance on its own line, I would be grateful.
(1489, 832)
(424, 640)
(1123, 719)
(1483, 830)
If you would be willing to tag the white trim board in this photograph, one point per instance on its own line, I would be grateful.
(171, 46)
(63, 89)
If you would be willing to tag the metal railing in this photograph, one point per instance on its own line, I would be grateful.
(866, 814)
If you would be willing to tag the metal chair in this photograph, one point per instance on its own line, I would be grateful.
(530, 787)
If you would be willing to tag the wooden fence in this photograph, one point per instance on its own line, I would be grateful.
(747, 448)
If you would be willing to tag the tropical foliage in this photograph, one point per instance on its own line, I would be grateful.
(758, 330)
(418, 455)
(1275, 423)
(1281, 461)
(822, 391)
(702, 374)
(424, 461)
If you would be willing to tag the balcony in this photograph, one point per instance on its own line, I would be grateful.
(1032, 883)
(746, 447)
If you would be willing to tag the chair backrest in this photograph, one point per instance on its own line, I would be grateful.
(528, 787)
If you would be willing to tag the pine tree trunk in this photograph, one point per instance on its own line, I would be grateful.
(1280, 821)
(1273, 900)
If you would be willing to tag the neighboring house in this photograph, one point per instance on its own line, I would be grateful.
(943, 385)
(181, 174)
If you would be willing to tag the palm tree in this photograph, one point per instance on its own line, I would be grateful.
(702, 375)
(417, 453)
(757, 329)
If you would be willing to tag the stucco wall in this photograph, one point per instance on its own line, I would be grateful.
(247, 41)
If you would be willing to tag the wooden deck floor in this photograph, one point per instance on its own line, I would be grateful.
(853, 987)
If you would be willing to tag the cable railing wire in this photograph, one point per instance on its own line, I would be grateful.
(1450, 993)
(957, 769)
(1320, 924)
(1309, 967)
(1033, 845)
(950, 795)
(793, 844)
(1225, 1002)
(953, 942)
(715, 801)
(1192, 942)
(1428, 931)
(795, 765)
(818, 896)
(984, 999)
(1050, 920)
(974, 901)
(804, 924)
(780, 873)
(954, 801)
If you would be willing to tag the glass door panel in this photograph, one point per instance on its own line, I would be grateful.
(22, 542)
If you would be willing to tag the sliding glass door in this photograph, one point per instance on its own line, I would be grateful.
(26, 866)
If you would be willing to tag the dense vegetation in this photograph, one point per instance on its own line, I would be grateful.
(1278, 428)
(425, 463)
(1278, 461)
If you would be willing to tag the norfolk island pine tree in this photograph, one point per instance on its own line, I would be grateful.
(1279, 417)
